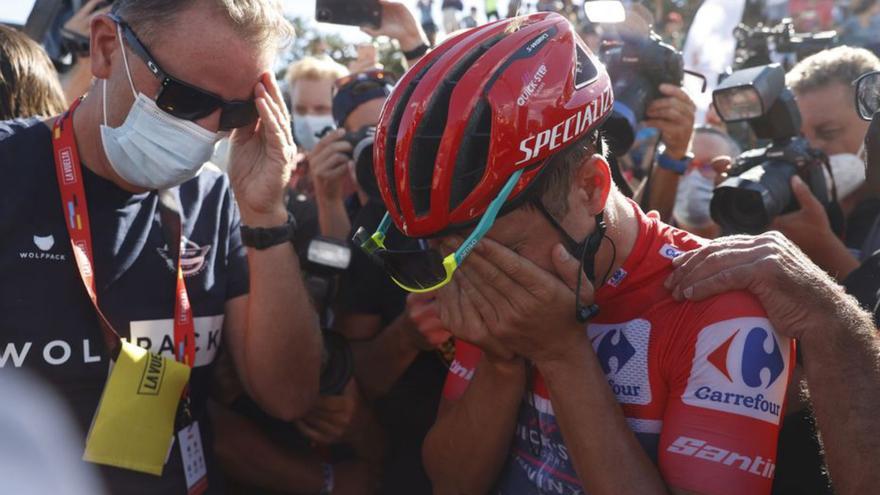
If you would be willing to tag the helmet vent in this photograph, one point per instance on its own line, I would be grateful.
(470, 165)
(394, 127)
(430, 131)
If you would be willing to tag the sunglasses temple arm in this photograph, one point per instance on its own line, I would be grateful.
(488, 218)
(385, 224)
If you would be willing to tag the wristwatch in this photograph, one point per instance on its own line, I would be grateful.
(666, 162)
(262, 237)
(416, 52)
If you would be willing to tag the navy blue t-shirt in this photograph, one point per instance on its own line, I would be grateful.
(48, 323)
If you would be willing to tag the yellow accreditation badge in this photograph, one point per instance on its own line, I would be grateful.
(134, 425)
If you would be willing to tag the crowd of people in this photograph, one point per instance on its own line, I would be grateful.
(338, 279)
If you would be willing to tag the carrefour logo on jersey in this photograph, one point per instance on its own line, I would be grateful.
(622, 350)
(740, 366)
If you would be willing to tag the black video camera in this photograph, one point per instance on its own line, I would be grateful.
(637, 65)
(755, 44)
(759, 184)
(362, 154)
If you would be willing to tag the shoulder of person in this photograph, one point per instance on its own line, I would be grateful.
(25, 163)
(11, 129)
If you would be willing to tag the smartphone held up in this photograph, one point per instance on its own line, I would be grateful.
(359, 13)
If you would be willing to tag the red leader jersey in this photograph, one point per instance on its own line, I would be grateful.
(702, 384)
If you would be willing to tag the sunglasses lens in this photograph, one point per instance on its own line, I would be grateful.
(417, 270)
(185, 102)
(868, 95)
(238, 114)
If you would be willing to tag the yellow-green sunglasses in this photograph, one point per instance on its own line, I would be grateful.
(427, 270)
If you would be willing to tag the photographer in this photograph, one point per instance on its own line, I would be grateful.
(823, 86)
(396, 368)
(713, 149)
(647, 76)
(673, 115)
(838, 341)
(357, 103)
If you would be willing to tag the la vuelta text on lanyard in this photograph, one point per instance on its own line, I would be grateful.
(76, 214)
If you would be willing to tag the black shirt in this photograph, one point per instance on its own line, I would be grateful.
(408, 411)
(47, 321)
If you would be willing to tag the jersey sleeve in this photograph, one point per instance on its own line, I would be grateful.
(461, 371)
(727, 370)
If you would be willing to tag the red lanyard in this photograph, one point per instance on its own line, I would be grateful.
(76, 215)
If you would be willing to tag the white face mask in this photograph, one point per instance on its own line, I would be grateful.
(692, 200)
(307, 127)
(848, 171)
(152, 148)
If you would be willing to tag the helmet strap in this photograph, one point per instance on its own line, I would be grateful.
(585, 251)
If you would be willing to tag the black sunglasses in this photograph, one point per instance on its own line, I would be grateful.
(868, 94)
(184, 100)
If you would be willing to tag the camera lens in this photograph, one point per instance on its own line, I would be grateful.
(323, 14)
(748, 203)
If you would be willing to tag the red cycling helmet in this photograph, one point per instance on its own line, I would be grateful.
(488, 102)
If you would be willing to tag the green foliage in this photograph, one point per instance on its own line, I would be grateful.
(311, 40)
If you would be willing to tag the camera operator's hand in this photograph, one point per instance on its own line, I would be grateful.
(82, 19)
(423, 311)
(810, 229)
(787, 283)
(329, 162)
(75, 82)
(261, 157)
(398, 23)
(333, 418)
(674, 116)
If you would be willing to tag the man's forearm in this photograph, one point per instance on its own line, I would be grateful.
(282, 343)
(468, 445)
(842, 362)
(333, 219)
(664, 187)
(608, 459)
(833, 257)
(381, 361)
(249, 456)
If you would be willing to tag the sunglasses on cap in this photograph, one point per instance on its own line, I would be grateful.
(186, 101)
(362, 81)
(868, 94)
(427, 270)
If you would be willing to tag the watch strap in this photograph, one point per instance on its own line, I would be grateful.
(666, 162)
(266, 237)
(416, 52)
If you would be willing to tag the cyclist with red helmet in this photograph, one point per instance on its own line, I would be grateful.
(557, 388)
